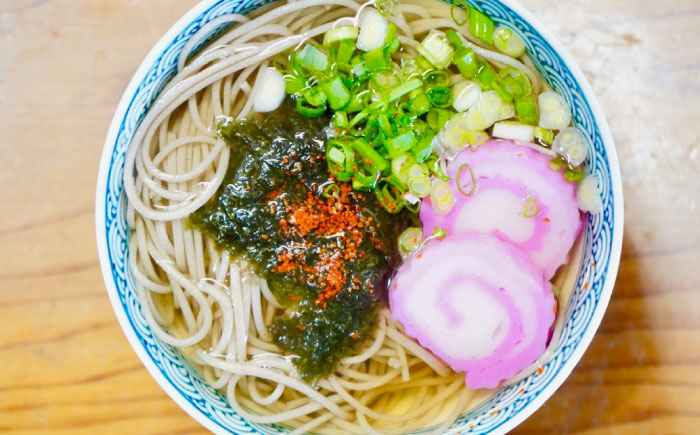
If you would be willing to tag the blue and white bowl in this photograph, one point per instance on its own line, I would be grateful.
(502, 412)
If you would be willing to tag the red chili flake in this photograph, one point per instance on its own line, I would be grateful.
(540, 370)
(585, 285)
(419, 255)
(293, 298)
(546, 219)
(521, 391)
(301, 327)
(265, 237)
(354, 335)
(325, 217)
(593, 264)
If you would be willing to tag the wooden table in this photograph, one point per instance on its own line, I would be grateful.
(65, 364)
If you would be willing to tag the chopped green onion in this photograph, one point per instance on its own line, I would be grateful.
(340, 119)
(360, 117)
(341, 159)
(387, 125)
(439, 97)
(404, 88)
(485, 76)
(369, 155)
(572, 175)
(331, 191)
(459, 4)
(481, 25)
(544, 136)
(476, 138)
(439, 233)
(358, 102)
(424, 148)
(501, 91)
(315, 96)
(515, 82)
(531, 208)
(571, 144)
(409, 67)
(419, 127)
(417, 170)
(311, 57)
(293, 84)
(467, 187)
(437, 78)
(526, 110)
(398, 167)
(556, 164)
(281, 62)
(339, 33)
(363, 179)
(410, 240)
(400, 144)
(390, 194)
(337, 94)
(437, 118)
(508, 42)
(441, 196)
(466, 61)
(392, 43)
(310, 110)
(385, 7)
(372, 133)
(454, 39)
(436, 50)
(419, 104)
(438, 166)
(419, 186)
(413, 207)
(345, 51)
(376, 60)
(384, 80)
(555, 113)
(358, 68)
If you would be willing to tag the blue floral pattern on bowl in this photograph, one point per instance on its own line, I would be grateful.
(503, 411)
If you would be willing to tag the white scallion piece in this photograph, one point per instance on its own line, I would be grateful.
(588, 195)
(488, 110)
(441, 196)
(571, 144)
(373, 29)
(436, 49)
(514, 131)
(269, 90)
(466, 94)
(555, 114)
(507, 42)
(339, 33)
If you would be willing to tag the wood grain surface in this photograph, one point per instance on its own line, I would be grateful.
(65, 365)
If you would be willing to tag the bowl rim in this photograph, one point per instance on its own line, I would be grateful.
(566, 368)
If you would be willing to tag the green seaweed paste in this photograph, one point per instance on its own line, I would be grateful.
(326, 250)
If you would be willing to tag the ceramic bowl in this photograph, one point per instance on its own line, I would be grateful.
(592, 283)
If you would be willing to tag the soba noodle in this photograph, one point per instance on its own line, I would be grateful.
(212, 306)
